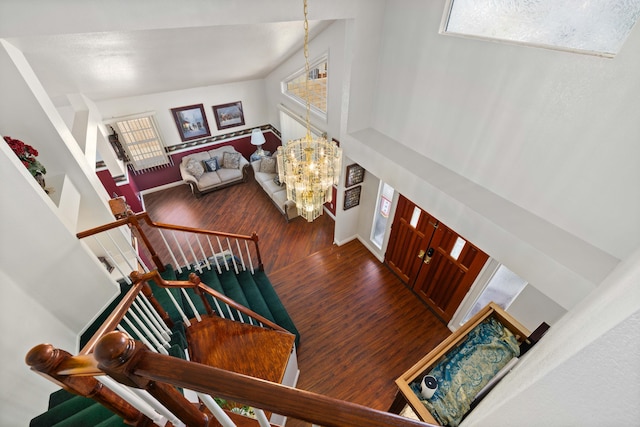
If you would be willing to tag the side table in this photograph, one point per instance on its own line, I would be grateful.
(257, 156)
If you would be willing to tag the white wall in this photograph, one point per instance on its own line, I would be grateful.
(553, 132)
(24, 394)
(251, 93)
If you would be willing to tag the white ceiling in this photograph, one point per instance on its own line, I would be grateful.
(118, 64)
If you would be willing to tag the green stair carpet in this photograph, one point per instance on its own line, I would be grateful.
(253, 291)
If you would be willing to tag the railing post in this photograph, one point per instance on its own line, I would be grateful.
(154, 256)
(118, 355)
(45, 359)
(254, 237)
(193, 278)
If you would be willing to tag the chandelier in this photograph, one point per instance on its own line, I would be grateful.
(309, 166)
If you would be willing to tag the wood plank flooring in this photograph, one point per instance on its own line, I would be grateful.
(360, 326)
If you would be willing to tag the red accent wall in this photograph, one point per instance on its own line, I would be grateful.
(171, 174)
(129, 190)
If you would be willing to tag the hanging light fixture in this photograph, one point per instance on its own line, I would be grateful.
(309, 166)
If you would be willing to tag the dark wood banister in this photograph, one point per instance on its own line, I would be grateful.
(129, 362)
(133, 220)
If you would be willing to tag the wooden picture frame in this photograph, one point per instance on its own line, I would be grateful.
(191, 122)
(352, 197)
(228, 115)
(355, 175)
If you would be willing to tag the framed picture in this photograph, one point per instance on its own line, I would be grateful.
(191, 122)
(355, 175)
(352, 197)
(228, 115)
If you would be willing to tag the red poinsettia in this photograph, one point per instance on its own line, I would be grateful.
(27, 154)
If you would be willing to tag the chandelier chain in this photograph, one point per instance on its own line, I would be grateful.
(307, 69)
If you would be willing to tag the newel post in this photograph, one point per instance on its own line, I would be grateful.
(195, 280)
(154, 256)
(45, 359)
(254, 237)
(118, 355)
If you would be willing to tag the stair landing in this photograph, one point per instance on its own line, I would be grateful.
(239, 347)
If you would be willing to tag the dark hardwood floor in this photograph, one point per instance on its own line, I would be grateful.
(360, 326)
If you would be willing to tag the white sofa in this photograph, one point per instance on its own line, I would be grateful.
(265, 172)
(204, 174)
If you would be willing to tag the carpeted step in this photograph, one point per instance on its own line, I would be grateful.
(280, 314)
(232, 289)
(114, 421)
(62, 411)
(254, 296)
(58, 397)
(88, 417)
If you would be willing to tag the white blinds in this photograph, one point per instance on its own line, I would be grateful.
(140, 138)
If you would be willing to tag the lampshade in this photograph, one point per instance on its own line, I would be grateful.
(257, 138)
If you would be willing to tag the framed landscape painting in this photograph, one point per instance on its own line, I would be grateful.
(191, 122)
(228, 115)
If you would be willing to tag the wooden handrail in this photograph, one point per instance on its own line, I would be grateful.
(195, 282)
(114, 318)
(133, 220)
(47, 361)
(129, 362)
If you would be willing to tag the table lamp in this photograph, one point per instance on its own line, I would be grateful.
(257, 138)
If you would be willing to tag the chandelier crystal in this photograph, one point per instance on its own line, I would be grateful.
(309, 166)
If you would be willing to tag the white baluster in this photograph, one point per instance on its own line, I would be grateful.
(216, 410)
(140, 335)
(246, 245)
(184, 258)
(173, 257)
(115, 264)
(137, 402)
(149, 321)
(224, 258)
(204, 255)
(244, 267)
(262, 418)
(193, 307)
(215, 258)
(185, 319)
(159, 321)
(233, 258)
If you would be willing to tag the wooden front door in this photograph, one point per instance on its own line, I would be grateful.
(437, 263)
(411, 233)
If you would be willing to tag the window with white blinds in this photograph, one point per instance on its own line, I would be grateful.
(140, 138)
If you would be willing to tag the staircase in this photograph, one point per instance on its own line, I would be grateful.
(190, 342)
(253, 291)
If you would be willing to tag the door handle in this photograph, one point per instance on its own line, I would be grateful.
(421, 254)
(427, 259)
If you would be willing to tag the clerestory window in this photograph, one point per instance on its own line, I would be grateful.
(597, 27)
(295, 86)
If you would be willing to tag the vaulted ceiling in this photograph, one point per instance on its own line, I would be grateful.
(110, 49)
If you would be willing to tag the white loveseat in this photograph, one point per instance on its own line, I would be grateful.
(211, 170)
(265, 172)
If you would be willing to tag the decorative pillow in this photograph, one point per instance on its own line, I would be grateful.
(195, 168)
(231, 160)
(268, 165)
(211, 164)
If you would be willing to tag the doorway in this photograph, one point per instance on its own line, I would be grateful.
(438, 264)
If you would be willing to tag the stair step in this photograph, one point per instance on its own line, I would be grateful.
(239, 347)
(87, 417)
(58, 397)
(253, 295)
(114, 421)
(280, 314)
(62, 411)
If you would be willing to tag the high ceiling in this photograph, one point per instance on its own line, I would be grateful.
(125, 59)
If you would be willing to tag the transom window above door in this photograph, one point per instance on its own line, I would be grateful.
(296, 88)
